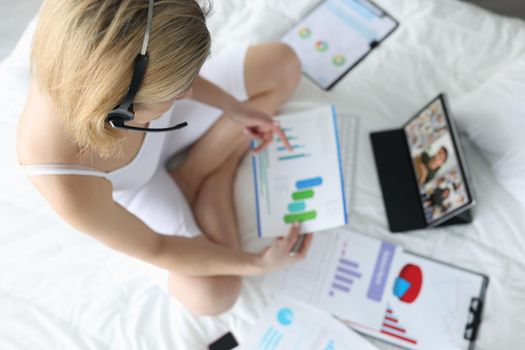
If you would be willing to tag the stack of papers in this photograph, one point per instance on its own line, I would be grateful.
(383, 291)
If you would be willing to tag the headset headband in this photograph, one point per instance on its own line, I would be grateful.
(124, 111)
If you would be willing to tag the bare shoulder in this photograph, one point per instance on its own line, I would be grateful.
(40, 140)
(40, 137)
(70, 194)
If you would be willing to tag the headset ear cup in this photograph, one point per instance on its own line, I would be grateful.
(118, 116)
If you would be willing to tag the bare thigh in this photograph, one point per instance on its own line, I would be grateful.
(272, 72)
(207, 175)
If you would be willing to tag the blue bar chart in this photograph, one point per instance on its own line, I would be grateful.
(270, 339)
(297, 147)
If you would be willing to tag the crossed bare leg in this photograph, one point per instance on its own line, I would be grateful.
(207, 175)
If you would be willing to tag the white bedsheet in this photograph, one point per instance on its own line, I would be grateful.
(61, 289)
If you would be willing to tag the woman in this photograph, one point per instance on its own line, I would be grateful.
(428, 166)
(111, 183)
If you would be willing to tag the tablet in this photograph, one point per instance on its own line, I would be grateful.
(438, 163)
(336, 35)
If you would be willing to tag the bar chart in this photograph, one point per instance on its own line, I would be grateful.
(304, 184)
(270, 340)
(393, 328)
(299, 149)
(346, 273)
(297, 210)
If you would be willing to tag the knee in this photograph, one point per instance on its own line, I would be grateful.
(288, 72)
(219, 297)
(215, 297)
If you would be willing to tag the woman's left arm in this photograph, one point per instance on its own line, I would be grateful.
(257, 124)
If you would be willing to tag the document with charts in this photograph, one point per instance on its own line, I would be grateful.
(305, 184)
(336, 35)
(348, 275)
(383, 291)
(288, 324)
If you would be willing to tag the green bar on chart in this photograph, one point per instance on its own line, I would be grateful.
(283, 148)
(307, 215)
(294, 156)
(300, 195)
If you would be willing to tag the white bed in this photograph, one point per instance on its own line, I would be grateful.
(62, 290)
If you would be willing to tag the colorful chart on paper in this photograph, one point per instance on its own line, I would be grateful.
(303, 185)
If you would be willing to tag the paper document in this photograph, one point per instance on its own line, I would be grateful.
(429, 305)
(287, 324)
(306, 184)
(388, 293)
(348, 275)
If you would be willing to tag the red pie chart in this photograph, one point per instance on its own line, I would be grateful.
(408, 284)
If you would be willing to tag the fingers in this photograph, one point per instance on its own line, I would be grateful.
(265, 137)
(289, 240)
(306, 245)
(251, 133)
(297, 245)
(261, 147)
(277, 129)
(293, 235)
(263, 128)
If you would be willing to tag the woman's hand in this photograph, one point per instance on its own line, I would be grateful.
(278, 254)
(258, 125)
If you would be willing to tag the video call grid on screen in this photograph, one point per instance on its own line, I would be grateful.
(436, 163)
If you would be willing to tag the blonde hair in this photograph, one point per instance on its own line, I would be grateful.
(84, 51)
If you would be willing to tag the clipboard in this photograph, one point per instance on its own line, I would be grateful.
(336, 35)
(433, 312)
(381, 290)
(471, 310)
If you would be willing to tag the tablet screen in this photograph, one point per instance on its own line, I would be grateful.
(441, 181)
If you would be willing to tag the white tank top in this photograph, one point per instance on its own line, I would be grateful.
(133, 175)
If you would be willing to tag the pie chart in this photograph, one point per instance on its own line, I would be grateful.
(305, 32)
(285, 316)
(321, 46)
(338, 60)
(408, 284)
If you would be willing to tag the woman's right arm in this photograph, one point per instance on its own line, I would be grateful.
(86, 203)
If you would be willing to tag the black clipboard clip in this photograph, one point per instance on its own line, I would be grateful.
(374, 43)
(474, 319)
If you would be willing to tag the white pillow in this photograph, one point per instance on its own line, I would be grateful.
(493, 116)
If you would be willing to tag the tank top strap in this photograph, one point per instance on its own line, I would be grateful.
(61, 169)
